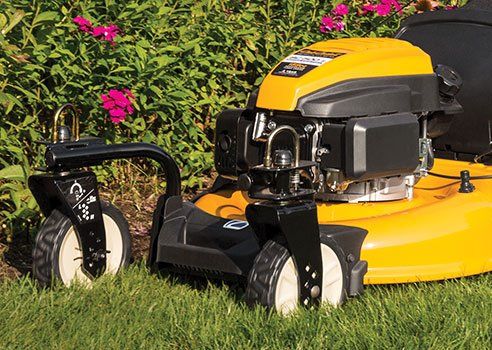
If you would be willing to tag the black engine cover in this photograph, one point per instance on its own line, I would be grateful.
(235, 151)
(372, 147)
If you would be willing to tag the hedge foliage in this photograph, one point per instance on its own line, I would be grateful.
(183, 60)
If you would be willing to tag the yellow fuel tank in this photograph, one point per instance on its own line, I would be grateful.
(329, 62)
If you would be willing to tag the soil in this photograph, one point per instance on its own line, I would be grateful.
(136, 204)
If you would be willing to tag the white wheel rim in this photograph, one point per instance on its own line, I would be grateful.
(70, 255)
(287, 289)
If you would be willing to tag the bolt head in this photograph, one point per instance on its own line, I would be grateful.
(282, 158)
(315, 291)
(309, 128)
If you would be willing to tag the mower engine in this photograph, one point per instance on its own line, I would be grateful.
(365, 115)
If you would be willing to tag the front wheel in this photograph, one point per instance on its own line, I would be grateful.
(57, 252)
(274, 282)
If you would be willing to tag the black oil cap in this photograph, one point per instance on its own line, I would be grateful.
(449, 80)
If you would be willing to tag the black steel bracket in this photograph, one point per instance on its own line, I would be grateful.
(298, 223)
(76, 195)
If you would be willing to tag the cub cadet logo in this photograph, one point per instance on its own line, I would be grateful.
(236, 225)
(316, 53)
(296, 66)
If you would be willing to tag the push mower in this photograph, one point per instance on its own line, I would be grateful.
(358, 161)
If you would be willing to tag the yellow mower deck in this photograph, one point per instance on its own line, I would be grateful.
(439, 234)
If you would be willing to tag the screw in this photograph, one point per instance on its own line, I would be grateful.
(309, 128)
(350, 258)
(271, 125)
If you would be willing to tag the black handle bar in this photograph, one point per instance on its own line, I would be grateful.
(73, 155)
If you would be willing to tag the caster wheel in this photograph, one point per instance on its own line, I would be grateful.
(57, 253)
(273, 280)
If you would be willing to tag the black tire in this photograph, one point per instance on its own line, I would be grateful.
(265, 274)
(49, 240)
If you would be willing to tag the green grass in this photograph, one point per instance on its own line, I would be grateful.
(137, 310)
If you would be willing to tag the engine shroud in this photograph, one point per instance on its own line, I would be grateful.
(366, 134)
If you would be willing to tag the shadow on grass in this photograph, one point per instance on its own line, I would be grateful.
(236, 286)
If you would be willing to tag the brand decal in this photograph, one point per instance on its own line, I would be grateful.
(304, 61)
(236, 225)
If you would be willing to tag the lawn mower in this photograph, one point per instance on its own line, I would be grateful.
(357, 161)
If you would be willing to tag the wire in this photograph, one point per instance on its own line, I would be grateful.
(480, 156)
(451, 177)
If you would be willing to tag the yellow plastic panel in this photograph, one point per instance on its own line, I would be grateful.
(362, 58)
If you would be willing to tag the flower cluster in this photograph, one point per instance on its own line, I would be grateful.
(430, 5)
(106, 33)
(383, 8)
(83, 23)
(334, 21)
(118, 104)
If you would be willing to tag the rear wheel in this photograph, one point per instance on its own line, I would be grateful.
(274, 282)
(57, 252)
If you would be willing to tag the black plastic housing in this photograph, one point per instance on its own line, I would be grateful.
(373, 96)
(461, 39)
(372, 147)
(235, 151)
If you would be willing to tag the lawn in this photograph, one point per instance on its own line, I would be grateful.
(137, 310)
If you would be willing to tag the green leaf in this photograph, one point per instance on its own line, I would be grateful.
(141, 52)
(156, 90)
(123, 69)
(47, 16)
(25, 92)
(15, 18)
(13, 172)
(3, 21)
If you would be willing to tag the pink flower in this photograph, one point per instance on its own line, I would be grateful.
(340, 10)
(368, 8)
(118, 104)
(339, 26)
(329, 24)
(394, 3)
(451, 7)
(383, 9)
(106, 33)
(83, 23)
(117, 115)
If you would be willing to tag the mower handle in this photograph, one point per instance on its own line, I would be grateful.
(73, 155)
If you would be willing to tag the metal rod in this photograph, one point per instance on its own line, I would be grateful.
(75, 122)
(267, 162)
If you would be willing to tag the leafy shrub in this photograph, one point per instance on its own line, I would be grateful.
(184, 61)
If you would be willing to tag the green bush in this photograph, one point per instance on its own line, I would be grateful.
(183, 60)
